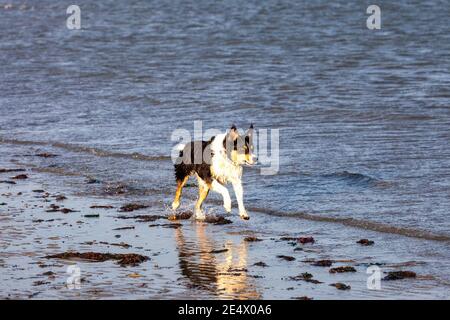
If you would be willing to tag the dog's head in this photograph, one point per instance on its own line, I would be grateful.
(239, 148)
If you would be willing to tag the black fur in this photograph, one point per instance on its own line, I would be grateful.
(192, 161)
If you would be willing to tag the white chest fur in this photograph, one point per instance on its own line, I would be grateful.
(223, 169)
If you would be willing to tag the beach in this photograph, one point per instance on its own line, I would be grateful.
(263, 258)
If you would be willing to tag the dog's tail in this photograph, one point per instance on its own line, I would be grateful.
(181, 169)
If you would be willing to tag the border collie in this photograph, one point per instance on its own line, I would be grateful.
(215, 163)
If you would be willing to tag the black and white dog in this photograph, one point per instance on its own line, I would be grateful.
(215, 163)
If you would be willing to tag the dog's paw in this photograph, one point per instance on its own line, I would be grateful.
(199, 215)
(175, 205)
(227, 207)
(244, 215)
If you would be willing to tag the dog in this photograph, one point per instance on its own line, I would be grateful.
(215, 163)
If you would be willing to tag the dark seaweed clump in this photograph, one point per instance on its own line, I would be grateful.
(132, 207)
(129, 259)
(342, 269)
(399, 275)
(365, 242)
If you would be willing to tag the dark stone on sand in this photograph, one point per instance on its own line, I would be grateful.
(124, 228)
(148, 218)
(341, 286)
(304, 240)
(39, 191)
(399, 275)
(11, 170)
(92, 181)
(92, 215)
(288, 239)
(129, 259)
(3, 204)
(217, 220)
(46, 155)
(287, 258)
(60, 198)
(55, 208)
(302, 298)
(48, 273)
(20, 177)
(101, 207)
(306, 276)
(260, 264)
(180, 216)
(90, 243)
(323, 263)
(342, 269)
(7, 182)
(132, 207)
(41, 220)
(365, 242)
(252, 239)
(301, 240)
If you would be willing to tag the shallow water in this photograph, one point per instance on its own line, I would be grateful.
(363, 115)
(195, 260)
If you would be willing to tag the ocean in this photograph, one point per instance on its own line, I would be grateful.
(363, 115)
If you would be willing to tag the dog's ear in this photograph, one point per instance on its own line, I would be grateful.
(233, 134)
(249, 134)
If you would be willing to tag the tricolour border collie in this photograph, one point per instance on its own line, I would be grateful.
(215, 163)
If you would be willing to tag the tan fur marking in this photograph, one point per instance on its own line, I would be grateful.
(203, 190)
(180, 186)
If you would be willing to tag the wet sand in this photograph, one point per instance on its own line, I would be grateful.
(264, 258)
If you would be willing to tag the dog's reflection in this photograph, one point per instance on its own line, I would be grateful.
(210, 266)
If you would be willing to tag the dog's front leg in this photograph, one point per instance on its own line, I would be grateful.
(218, 187)
(239, 192)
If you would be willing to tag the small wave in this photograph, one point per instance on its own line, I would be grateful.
(88, 150)
(361, 224)
(356, 178)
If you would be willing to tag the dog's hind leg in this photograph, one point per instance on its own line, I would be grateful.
(180, 185)
(220, 188)
(203, 190)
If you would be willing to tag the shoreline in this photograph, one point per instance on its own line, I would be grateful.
(189, 259)
(345, 221)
